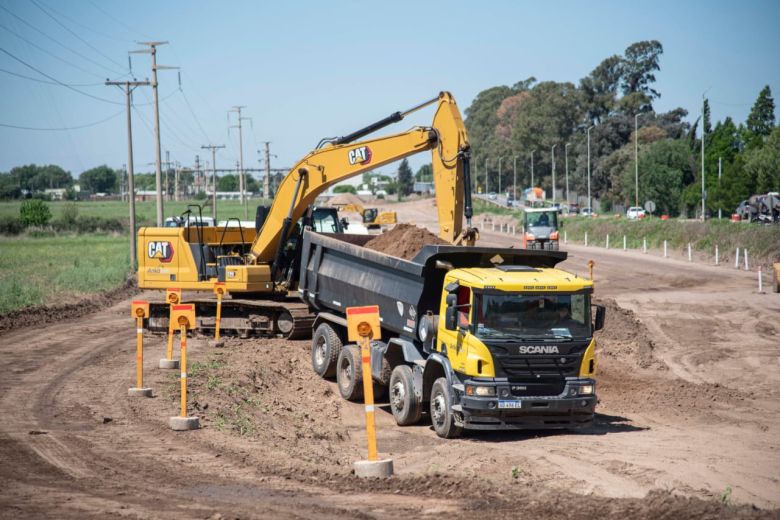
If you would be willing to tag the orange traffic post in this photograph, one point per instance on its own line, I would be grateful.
(139, 310)
(184, 317)
(363, 326)
(173, 297)
(590, 268)
(219, 290)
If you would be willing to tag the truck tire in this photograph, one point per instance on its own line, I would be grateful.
(442, 416)
(325, 349)
(404, 403)
(349, 374)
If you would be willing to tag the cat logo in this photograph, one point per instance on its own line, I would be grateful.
(163, 251)
(360, 155)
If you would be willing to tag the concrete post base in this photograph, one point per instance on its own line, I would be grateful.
(169, 364)
(373, 468)
(183, 424)
(216, 344)
(139, 392)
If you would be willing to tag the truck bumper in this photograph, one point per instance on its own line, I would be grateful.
(565, 411)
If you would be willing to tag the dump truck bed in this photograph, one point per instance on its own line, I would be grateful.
(336, 274)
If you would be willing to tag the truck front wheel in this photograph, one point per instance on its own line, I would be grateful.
(404, 403)
(349, 374)
(325, 349)
(442, 416)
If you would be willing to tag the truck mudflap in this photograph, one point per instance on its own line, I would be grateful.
(565, 411)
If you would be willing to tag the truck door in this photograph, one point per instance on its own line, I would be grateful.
(454, 341)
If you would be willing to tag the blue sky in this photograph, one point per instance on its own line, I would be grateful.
(306, 70)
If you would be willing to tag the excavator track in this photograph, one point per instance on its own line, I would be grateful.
(285, 317)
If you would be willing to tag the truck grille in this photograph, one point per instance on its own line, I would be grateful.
(533, 366)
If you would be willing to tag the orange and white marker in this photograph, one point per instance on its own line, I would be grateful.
(184, 316)
(139, 310)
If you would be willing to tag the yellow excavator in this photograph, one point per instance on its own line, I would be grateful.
(372, 217)
(260, 267)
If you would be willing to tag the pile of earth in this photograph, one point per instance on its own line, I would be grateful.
(403, 241)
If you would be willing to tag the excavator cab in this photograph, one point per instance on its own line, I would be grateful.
(369, 215)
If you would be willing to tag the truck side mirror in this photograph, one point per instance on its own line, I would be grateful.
(451, 315)
(601, 314)
(344, 223)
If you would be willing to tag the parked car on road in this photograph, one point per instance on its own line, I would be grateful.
(635, 213)
(492, 195)
(587, 212)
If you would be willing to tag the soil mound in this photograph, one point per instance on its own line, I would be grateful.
(626, 338)
(403, 241)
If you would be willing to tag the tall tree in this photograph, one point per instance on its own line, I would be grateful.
(707, 118)
(640, 62)
(424, 173)
(763, 164)
(600, 87)
(405, 179)
(100, 179)
(761, 119)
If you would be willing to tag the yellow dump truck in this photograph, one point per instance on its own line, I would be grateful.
(481, 338)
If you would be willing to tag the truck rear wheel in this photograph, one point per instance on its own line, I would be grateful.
(442, 416)
(405, 405)
(349, 374)
(325, 349)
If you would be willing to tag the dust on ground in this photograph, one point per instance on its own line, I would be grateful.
(403, 241)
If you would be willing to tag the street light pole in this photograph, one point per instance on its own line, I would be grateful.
(590, 200)
(499, 174)
(553, 172)
(487, 176)
(514, 178)
(566, 155)
(636, 159)
(720, 214)
(532, 167)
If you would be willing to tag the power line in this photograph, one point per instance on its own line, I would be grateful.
(187, 101)
(12, 73)
(58, 81)
(63, 60)
(82, 40)
(63, 128)
(120, 22)
(58, 42)
(87, 27)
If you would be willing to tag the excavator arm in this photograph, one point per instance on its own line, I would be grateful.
(341, 159)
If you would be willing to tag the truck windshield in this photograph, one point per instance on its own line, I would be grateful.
(533, 316)
(542, 219)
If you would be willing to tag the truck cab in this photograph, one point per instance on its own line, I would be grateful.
(540, 228)
(521, 351)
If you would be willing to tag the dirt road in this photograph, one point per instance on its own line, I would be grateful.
(688, 371)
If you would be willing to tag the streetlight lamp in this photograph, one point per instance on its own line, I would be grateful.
(553, 172)
(590, 200)
(566, 155)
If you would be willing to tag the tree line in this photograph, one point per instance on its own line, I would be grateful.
(512, 122)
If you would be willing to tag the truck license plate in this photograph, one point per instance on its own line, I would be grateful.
(510, 404)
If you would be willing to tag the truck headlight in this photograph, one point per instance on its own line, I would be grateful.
(480, 391)
(554, 235)
(586, 390)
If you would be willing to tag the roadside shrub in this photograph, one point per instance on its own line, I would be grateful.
(69, 214)
(10, 226)
(34, 212)
(201, 195)
(86, 224)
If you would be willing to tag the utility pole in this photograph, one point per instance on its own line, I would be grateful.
(553, 172)
(590, 200)
(267, 180)
(566, 155)
(157, 156)
(213, 148)
(167, 175)
(487, 176)
(514, 178)
(176, 171)
(197, 178)
(128, 87)
(532, 167)
(241, 179)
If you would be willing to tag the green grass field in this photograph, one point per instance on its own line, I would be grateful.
(62, 269)
(145, 211)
